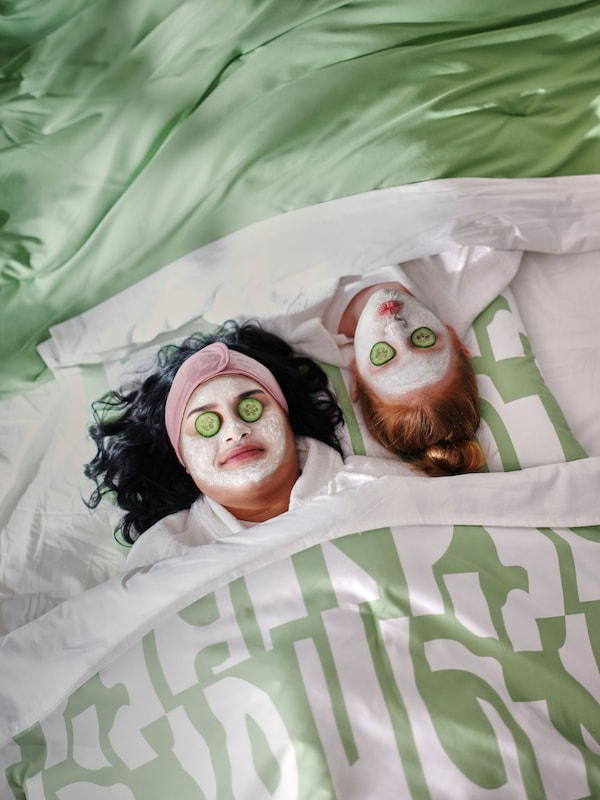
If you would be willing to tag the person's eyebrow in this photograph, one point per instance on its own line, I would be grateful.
(240, 397)
(250, 392)
(198, 409)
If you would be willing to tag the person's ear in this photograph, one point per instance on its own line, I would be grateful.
(464, 347)
(353, 381)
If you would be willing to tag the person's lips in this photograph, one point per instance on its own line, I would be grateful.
(389, 307)
(240, 454)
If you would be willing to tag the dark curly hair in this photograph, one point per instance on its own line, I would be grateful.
(135, 462)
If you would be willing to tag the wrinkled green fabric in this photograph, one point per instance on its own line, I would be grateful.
(133, 132)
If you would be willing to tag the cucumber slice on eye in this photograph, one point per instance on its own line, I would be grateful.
(381, 353)
(207, 424)
(250, 409)
(423, 337)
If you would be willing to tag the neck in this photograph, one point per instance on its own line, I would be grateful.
(262, 506)
(260, 513)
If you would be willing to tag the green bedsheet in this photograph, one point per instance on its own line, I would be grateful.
(133, 132)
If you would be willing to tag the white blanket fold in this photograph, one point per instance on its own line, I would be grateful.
(80, 636)
(241, 272)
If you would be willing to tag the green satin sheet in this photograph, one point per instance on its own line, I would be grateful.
(133, 132)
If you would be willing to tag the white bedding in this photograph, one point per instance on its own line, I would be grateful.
(438, 598)
(558, 297)
(82, 693)
(52, 548)
(79, 637)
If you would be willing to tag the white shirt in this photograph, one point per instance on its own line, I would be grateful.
(456, 285)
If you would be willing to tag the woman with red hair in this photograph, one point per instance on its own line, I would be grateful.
(414, 380)
(400, 329)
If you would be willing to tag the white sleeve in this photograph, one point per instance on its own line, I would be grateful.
(160, 541)
(175, 534)
(457, 285)
(300, 320)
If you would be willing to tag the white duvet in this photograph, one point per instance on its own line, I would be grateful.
(75, 639)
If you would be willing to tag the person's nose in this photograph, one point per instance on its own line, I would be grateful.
(397, 320)
(234, 430)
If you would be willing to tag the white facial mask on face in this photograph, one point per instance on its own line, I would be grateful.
(392, 316)
(212, 462)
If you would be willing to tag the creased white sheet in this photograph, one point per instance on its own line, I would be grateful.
(347, 236)
(78, 637)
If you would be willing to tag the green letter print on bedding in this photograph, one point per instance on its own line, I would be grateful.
(363, 667)
(526, 423)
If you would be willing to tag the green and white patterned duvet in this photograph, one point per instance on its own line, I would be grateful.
(432, 662)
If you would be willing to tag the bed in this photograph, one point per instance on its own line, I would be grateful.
(167, 166)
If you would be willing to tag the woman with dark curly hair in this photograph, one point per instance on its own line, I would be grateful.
(232, 428)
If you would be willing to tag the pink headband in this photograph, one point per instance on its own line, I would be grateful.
(215, 359)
